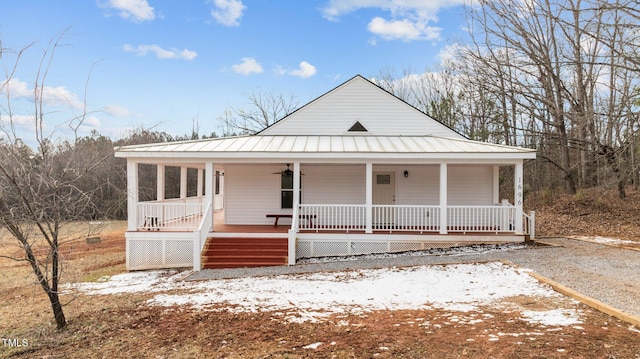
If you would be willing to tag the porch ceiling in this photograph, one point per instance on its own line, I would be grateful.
(328, 147)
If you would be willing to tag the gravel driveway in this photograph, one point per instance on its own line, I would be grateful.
(606, 273)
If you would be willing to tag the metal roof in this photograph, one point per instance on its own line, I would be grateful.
(344, 146)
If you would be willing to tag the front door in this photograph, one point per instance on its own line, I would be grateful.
(384, 194)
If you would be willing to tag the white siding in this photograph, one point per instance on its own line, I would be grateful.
(470, 185)
(252, 192)
(327, 184)
(420, 188)
(359, 100)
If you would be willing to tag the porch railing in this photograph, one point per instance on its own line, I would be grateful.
(399, 218)
(332, 217)
(481, 218)
(529, 224)
(200, 236)
(406, 218)
(175, 214)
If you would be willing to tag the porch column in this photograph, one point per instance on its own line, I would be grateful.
(443, 198)
(183, 182)
(296, 193)
(200, 178)
(518, 196)
(160, 179)
(209, 174)
(369, 198)
(132, 195)
(292, 235)
(496, 184)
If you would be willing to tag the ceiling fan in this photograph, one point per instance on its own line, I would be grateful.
(287, 172)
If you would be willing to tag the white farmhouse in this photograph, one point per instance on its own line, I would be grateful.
(354, 171)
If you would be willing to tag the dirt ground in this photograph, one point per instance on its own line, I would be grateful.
(591, 212)
(118, 326)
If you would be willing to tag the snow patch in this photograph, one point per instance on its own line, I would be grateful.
(312, 297)
(552, 317)
(604, 240)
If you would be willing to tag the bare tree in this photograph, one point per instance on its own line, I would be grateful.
(264, 109)
(572, 67)
(39, 187)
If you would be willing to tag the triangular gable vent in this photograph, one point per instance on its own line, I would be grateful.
(358, 127)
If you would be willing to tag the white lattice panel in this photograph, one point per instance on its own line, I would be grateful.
(368, 247)
(404, 246)
(326, 249)
(144, 254)
(179, 253)
(322, 248)
(303, 250)
(159, 253)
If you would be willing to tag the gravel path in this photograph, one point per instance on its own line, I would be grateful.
(606, 273)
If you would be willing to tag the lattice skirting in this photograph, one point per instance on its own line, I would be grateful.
(158, 253)
(328, 248)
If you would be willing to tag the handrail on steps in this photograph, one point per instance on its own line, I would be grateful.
(200, 236)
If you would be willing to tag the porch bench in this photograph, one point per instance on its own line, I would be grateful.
(308, 217)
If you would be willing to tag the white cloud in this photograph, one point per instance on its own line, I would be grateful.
(409, 20)
(49, 95)
(142, 50)
(22, 121)
(248, 66)
(305, 70)
(91, 121)
(449, 53)
(15, 88)
(136, 10)
(116, 111)
(227, 12)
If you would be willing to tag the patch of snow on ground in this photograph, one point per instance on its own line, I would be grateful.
(309, 297)
(604, 240)
(552, 317)
(131, 282)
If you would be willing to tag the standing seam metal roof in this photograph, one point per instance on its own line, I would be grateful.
(324, 144)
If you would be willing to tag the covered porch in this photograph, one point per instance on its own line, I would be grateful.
(355, 220)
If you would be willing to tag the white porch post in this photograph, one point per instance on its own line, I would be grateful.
(496, 184)
(443, 198)
(160, 182)
(518, 196)
(183, 182)
(369, 198)
(199, 181)
(132, 195)
(294, 219)
(209, 174)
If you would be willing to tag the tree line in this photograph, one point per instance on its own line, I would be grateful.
(560, 76)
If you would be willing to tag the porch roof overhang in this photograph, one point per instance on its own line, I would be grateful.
(335, 149)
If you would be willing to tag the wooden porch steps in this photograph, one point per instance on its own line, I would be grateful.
(239, 252)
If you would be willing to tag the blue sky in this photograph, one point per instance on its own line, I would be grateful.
(163, 63)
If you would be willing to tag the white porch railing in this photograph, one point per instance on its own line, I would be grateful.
(332, 217)
(405, 218)
(200, 237)
(529, 224)
(174, 214)
(481, 218)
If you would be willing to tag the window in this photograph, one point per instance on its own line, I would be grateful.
(383, 179)
(286, 200)
(217, 185)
